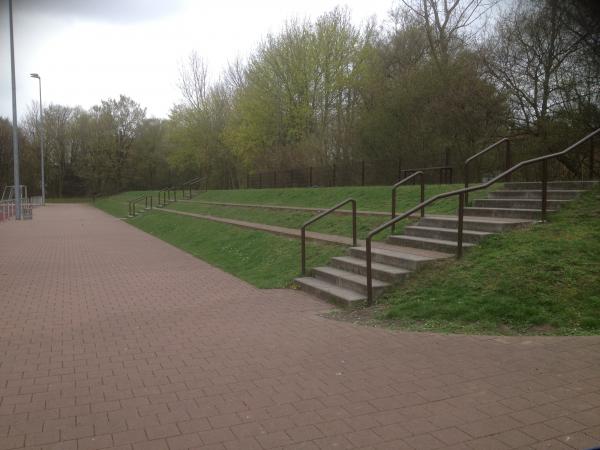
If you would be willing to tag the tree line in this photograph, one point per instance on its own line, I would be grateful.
(437, 78)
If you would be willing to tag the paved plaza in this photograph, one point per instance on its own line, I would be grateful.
(111, 338)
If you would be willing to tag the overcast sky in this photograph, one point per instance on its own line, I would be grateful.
(88, 50)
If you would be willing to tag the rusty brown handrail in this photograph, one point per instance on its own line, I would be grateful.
(132, 203)
(320, 216)
(187, 186)
(400, 183)
(461, 203)
(166, 195)
(483, 152)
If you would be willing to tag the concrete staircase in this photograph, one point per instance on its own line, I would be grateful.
(343, 282)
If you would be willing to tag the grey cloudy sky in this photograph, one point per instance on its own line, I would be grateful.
(87, 50)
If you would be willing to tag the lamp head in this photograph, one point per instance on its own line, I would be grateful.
(34, 75)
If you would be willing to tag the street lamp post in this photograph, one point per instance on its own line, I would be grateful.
(15, 130)
(35, 75)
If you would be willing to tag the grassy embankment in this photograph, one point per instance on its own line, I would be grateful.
(545, 279)
(265, 260)
(375, 198)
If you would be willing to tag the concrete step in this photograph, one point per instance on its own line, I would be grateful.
(562, 185)
(404, 260)
(439, 245)
(555, 194)
(331, 293)
(487, 224)
(445, 234)
(528, 214)
(349, 280)
(383, 272)
(517, 203)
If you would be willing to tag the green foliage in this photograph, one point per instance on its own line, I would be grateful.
(299, 103)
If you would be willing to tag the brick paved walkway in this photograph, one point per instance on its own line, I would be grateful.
(110, 338)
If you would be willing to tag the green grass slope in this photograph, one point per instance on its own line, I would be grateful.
(545, 279)
(373, 198)
(262, 259)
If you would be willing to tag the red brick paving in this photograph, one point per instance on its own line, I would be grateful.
(110, 338)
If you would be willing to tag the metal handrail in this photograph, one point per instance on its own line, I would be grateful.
(483, 152)
(188, 186)
(400, 183)
(166, 194)
(320, 216)
(461, 204)
(132, 203)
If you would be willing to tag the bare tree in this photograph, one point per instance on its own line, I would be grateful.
(235, 75)
(193, 81)
(535, 58)
(448, 24)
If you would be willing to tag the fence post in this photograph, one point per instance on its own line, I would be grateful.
(310, 177)
(363, 173)
(333, 178)
(591, 158)
(544, 188)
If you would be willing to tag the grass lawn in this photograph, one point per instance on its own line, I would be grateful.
(373, 198)
(332, 224)
(262, 259)
(544, 279)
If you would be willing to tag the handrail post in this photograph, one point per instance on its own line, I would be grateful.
(508, 159)
(320, 216)
(461, 216)
(393, 209)
(466, 181)
(544, 188)
(369, 273)
(354, 240)
(303, 250)
(422, 193)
